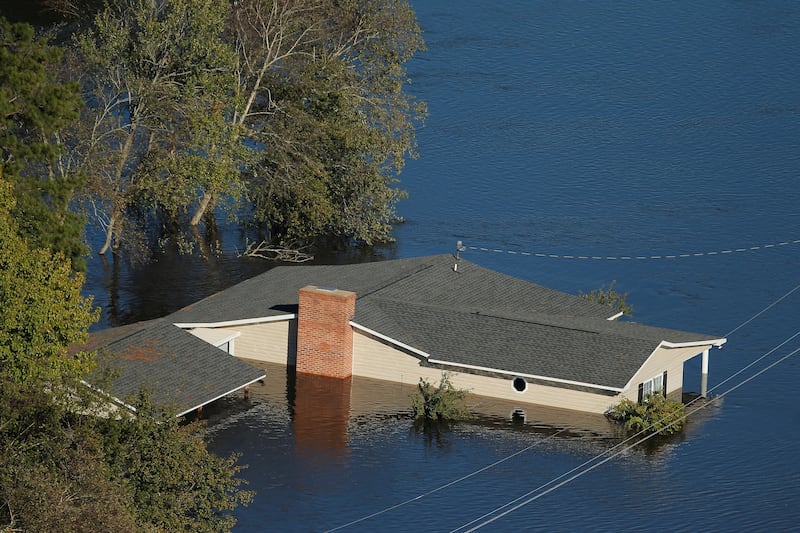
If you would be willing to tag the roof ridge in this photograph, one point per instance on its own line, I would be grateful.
(592, 325)
(491, 313)
(414, 272)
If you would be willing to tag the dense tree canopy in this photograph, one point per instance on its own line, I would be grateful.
(42, 311)
(35, 108)
(292, 114)
(326, 106)
(155, 75)
(63, 468)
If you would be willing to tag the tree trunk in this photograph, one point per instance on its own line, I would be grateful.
(109, 236)
(201, 209)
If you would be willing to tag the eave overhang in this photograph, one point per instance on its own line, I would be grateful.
(428, 359)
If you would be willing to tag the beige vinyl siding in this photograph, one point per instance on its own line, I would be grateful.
(214, 336)
(377, 359)
(272, 342)
(664, 358)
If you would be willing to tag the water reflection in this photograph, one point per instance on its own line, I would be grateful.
(321, 413)
(332, 416)
(312, 443)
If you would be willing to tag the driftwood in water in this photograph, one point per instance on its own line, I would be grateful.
(273, 252)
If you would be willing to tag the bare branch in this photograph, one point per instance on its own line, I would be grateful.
(264, 250)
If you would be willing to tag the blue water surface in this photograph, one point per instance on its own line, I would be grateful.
(598, 129)
(573, 128)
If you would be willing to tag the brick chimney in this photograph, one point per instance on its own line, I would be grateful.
(324, 333)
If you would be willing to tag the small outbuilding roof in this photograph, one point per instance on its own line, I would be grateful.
(177, 368)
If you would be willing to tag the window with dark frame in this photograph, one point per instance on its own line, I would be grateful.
(653, 385)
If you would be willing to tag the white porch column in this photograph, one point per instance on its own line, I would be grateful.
(704, 376)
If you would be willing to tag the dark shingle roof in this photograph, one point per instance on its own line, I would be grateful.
(577, 349)
(177, 368)
(472, 316)
(426, 280)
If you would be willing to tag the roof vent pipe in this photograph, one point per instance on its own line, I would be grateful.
(459, 248)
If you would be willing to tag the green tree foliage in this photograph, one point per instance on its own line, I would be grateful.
(156, 72)
(610, 297)
(329, 114)
(439, 402)
(53, 476)
(42, 311)
(298, 108)
(35, 109)
(174, 482)
(61, 470)
(655, 414)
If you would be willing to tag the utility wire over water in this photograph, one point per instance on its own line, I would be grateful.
(635, 257)
(602, 458)
(596, 461)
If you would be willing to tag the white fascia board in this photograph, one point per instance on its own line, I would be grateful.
(630, 381)
(229, 338)
(391, 340)
(614, 317)
(530, 376)
(473, 367)
(242, 322)
(710, 342)
(220, 396)
(109, 396)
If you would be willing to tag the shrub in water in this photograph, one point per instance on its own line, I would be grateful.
(442, 402)
(655, 414)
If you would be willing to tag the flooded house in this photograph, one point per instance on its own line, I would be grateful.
(400, 320)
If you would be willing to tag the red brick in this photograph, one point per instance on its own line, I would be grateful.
(324, 333)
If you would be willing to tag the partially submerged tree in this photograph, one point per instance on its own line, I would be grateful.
(654, 414)
(155, 106)
(296, 107)
(611, 298)
(325, 106)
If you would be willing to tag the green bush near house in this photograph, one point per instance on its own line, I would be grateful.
(655, 414)
(439, 402)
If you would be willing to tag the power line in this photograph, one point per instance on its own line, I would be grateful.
(592, 467)
(597, 457)
(767, 308)
(633, 257)
(437, 489)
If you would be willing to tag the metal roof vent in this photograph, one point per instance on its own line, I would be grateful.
(459, 248)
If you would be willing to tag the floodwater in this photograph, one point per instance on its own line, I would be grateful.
(563, 128)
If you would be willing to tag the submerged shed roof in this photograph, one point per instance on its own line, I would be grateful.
(175, 367)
